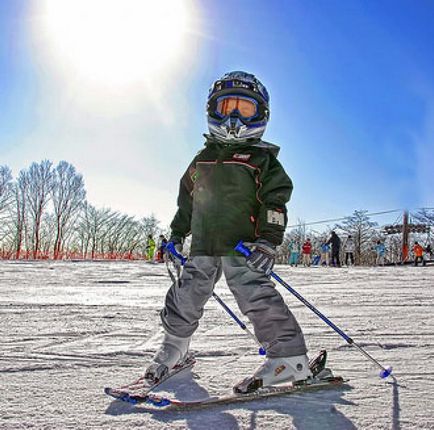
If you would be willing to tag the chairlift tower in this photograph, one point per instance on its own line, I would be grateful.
(405, 229)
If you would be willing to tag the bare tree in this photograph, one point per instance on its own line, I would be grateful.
(97, 223)
(362, 229)
(20, 192)
(424, 216)
(39, 185)
(68, 195)
(125, 236)
(150, 225)
(6, 198)
(45, 210)
(5, 188)
(296, 236)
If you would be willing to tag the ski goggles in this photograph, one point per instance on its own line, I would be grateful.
(245, 106)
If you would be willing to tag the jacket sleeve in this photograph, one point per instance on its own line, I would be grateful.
(274, 192)
(181, 224)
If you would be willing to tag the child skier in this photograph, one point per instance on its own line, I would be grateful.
(234, 189)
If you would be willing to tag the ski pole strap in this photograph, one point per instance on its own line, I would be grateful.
(171, 248)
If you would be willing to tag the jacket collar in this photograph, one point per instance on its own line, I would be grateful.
(257, 143)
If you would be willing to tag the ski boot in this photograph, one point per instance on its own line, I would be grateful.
(173, 351)
(276, 371)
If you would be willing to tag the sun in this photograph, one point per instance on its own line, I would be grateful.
(115, 42)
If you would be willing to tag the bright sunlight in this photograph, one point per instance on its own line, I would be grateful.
(115, 42)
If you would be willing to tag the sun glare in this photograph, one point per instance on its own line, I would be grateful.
(116, 42)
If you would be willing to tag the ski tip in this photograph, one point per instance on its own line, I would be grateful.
(124, 397)
(262, 351)
(386, 372)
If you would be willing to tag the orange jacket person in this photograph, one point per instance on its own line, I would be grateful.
(418, 253)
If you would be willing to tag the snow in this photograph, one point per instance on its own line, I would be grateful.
(68, 329)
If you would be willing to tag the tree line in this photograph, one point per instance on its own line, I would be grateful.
(44, 214)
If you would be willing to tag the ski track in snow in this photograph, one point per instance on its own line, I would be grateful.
(68, 329)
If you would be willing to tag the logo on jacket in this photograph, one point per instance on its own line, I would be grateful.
(241, 157)
(275, 217)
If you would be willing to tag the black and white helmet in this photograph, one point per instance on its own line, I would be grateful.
(238, 107)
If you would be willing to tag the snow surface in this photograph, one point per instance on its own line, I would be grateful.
(68, 329)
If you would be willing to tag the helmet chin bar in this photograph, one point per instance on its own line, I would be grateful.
(240, 134)
(233, 128)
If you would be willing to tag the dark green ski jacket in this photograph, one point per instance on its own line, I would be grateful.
(232, 192)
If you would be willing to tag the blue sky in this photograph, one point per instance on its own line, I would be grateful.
(351, 85)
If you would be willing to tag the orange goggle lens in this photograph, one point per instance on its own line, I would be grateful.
(246, 107)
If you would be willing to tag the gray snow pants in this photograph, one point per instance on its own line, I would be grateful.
(274, 324)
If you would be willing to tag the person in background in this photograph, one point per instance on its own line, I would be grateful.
(316, 259)
(294, 253)
(380, 250)
(150, 248)
(428, 251)
(418, 254)
(325, 254)
(162, 242)
(349, 249)
(306, 251)
(335, 243)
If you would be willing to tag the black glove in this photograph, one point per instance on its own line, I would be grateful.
(262, 257)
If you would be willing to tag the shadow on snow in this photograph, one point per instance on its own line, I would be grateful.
(306, 410)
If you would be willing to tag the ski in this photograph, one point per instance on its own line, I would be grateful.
(141, 387)
(157, 402)
(322, 379)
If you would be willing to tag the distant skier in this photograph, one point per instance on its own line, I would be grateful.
(349, 249)
(316, 259)
(428, 251)
(380, 250)
(294, 253)
(234, 189)
(306, 250)
(162, 242)
(150, 248)
(335, 243)
(325, 254)
(418, 254)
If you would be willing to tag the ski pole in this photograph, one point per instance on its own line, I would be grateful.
(385, 372)
(171, 247)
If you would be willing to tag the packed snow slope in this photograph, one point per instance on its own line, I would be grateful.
(68, 329)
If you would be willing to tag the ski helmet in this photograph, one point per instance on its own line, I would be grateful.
(238, 107)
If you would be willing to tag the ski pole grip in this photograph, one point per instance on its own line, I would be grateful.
(242, 249)
(171, 248)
